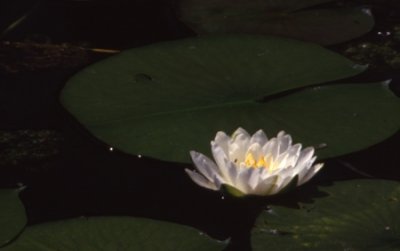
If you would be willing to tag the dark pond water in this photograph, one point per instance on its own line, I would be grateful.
(82, 176)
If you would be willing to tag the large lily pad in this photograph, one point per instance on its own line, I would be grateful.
(355, 215)
(167, 99)
(112, 233)
(12, 215)
(289, 18)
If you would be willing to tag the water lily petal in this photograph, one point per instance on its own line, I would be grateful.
(240, 131)
(282, 161)
(313, 170)
(303, 170)
(284, 140)
(204, 165)
(236, 153)
(201, 180)
(242, 181)
(240, 137)
(265, 173)
(218, 181)
(255, 178)
(266, 186)
(294, 154)
(284, 177)
(305, 155)
(222, 140)
(271, 148)
(233, 172)
(259, 137)
(220, 158)
(238, 145)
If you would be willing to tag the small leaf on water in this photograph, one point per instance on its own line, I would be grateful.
(12, 215)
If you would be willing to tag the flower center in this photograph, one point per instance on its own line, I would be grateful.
(251, 162)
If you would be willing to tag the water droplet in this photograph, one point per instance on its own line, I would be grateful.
(386, 83)
(111, 149)
(223, 241)
(269, 210)
(321, 145)
(222, 197)
(274, 231)
(367, 11)
(201, 233)
(21, 186)
(364, 45)
(384, 33)
(139, 156)
(360, 67)
(387, 228)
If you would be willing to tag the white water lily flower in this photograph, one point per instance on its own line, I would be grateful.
(253, 165)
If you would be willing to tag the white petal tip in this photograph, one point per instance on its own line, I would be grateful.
(220, 134)
(260, 131)
(281, 133)
(240, 130)
(318, 167)
(193, 154)
(311, 173)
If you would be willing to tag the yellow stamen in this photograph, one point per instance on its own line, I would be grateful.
(261, 163)
(250, 162)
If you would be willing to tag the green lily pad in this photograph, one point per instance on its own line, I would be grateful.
(289, 18)
(113, 233)
(166, 99)
(12, 215)
(355, 215)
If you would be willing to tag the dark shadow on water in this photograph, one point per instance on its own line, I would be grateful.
(87, 179)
